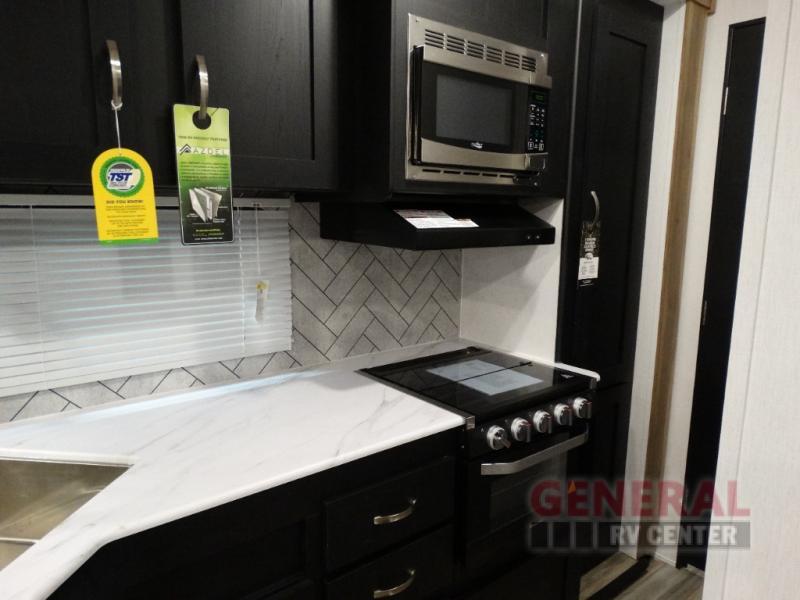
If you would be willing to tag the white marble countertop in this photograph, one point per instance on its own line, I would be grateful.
(194, 450)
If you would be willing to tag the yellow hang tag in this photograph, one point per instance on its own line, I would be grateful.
(124, 199)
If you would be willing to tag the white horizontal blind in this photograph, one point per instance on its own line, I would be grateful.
(72, 310)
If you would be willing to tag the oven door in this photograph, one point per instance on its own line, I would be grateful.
(499, 484)
(467, 119)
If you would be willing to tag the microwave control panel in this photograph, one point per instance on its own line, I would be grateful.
(537, 121)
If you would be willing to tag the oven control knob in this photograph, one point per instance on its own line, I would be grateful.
(562, 414)
(521, 430)
(497, 438)
(582, 407)
(542, 421)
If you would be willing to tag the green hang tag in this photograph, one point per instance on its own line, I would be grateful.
(203, 156)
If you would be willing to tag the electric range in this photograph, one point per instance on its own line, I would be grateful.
(523, 418)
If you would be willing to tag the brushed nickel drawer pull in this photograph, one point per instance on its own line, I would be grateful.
(399, 589)
(404, 514)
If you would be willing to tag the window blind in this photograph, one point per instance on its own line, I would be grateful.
(72, 310)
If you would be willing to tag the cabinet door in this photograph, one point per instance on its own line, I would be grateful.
(147, 35)
(56, 101)
(49, 126)
(602, 458)
(613, 139)
(272, 63)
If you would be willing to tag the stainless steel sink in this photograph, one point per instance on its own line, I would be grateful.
(35, 496)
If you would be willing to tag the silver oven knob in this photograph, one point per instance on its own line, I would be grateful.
(497, 438)
(542, 421)
(521, 430)
(562, 414)
(582, 407)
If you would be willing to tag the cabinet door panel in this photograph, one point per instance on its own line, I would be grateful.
(613, 139)
(147, 35)
(48, 125)
(266, 60)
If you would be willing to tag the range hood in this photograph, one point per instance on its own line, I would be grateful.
(426, 226)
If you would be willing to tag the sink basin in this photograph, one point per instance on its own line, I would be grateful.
(37, 495)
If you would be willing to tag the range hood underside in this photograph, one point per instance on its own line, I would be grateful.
(379, 224)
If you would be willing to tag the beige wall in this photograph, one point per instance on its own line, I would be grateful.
(509, 296)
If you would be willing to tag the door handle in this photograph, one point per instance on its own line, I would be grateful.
(596, 199)
(116, 74)
(403, 514)
(202, 79)
(510, 468)
(398, 589)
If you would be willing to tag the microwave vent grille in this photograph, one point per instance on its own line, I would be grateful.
(473, 49)
(434, 38)
(494, 55)
(511, 59)
(529, 64)
(455, 44)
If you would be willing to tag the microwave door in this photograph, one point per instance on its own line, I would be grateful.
(460, 118)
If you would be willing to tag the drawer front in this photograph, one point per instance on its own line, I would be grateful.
(421, 569)
(388, 513)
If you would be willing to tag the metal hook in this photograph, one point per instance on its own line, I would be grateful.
(202, 77)
(116, 74)
(596, 207)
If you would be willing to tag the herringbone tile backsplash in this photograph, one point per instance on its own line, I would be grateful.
(348, 299)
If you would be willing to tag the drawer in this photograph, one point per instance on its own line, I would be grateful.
(421, 569)
(388, 513)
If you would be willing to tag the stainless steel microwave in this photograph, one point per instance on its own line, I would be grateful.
(477, 108)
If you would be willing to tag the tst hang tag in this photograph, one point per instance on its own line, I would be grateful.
(589, 261)
(124, 198)
(203, 153)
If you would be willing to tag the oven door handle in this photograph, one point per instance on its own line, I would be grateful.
(510, 468)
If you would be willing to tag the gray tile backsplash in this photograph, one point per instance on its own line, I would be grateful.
(348, 299)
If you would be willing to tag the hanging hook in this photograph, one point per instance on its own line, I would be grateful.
(202, 77)
(116, 74)
(596, 207)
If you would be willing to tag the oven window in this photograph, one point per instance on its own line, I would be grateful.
(473, 111)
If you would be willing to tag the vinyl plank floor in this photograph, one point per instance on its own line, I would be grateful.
(660, 582)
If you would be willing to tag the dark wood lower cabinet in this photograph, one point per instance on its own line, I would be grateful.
(271, 545)
(389, 525)
(421, 569)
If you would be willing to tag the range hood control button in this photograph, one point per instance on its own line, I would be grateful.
(497, 438)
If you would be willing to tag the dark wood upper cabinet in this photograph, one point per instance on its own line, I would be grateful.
(49, 128)
(272, 63)
(147, 33)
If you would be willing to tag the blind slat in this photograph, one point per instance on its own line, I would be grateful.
(72, 310)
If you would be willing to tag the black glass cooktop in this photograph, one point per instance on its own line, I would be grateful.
(481, 382)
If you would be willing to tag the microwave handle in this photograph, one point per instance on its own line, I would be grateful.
(511, 468)
(415, 103)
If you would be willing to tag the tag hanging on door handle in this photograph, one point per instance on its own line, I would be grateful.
(589, 260)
